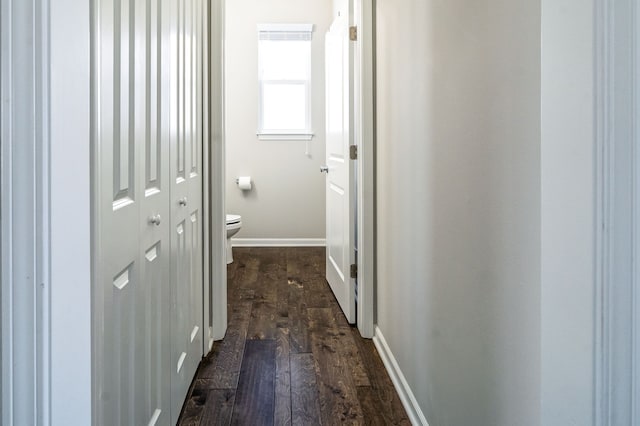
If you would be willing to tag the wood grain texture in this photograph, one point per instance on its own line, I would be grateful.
(297, 304)
(336, 385)
(263, 323)
(272, 270)
(289, 357)
(282, 415)
(219, 407)
(370, 407)
(224, 362)
(305, 407)
(255, 396)
(193, 407)
(387, 400)
(298, 320)
(282, 302)
(246, 273)
(348, 350)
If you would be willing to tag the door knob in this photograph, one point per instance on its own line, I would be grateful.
(155, 220)
(324, 169)
(183, 201)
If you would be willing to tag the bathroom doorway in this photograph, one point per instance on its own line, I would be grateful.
(286, 203)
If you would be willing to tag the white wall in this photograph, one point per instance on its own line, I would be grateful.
(287, 200)
(458, 187)
(568, 185)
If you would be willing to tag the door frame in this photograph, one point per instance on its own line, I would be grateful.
(364, 113)
(617, 211)
(53, 45)
(364, 117)
(24, 220)
(215, 263)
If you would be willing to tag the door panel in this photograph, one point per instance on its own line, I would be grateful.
(147, 103)
(339, 182)
(340, 242)
(152, 141)
(120, 273)
(141, 258)
(186, 205)
(151, 376)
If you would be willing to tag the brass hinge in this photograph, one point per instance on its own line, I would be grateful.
(353, 152)
(353, 33)
(354, 270)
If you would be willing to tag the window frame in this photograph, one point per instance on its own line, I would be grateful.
(285, 134)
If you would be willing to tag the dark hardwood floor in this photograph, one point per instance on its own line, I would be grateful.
(289, 357)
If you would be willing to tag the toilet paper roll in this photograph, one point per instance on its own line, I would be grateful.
(244, 183)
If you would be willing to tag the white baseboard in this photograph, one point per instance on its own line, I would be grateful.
(402, 387)
(278, 242)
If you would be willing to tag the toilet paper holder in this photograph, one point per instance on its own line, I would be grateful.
(244, 183)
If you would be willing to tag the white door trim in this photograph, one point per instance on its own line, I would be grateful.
(48, 70)
(365, 140)
(617, 310)
(24, 177)
(207, 337)
(216, 187)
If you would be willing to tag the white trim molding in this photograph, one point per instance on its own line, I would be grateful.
(218, 271)
(364, 100)
(635, 142)
(25, 284)
(278, 242)
(617, 315)
(207, 317)
(46, 340)
(266, 136)
(286, 28)
(405, 393)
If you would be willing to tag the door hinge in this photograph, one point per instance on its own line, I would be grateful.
(353, 152)
(353, 33)
(354, 270)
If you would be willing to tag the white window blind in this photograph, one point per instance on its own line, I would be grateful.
(284, 62)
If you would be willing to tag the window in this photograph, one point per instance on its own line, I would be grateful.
(284, 74)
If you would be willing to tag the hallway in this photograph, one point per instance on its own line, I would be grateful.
(289, 356)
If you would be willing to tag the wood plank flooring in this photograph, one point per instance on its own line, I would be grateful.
(289, 357)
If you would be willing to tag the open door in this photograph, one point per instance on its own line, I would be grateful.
(339, 181)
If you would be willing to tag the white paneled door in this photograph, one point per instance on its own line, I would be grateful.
(186, 202)
(147, 121)
(339, 181)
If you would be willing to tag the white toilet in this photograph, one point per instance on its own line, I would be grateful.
(234, 223)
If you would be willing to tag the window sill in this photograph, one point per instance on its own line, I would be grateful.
(285, 136)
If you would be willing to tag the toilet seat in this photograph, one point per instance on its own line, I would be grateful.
(233, 219)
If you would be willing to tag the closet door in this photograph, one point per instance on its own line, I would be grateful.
(132, 226)
(186, 202)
